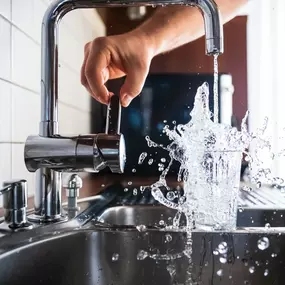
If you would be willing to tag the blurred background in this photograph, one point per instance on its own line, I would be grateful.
(251, 71)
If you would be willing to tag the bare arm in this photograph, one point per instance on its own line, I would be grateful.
(131, 53)
(174, 26)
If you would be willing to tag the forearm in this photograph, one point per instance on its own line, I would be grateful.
(173, 26)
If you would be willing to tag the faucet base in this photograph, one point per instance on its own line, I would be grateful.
(43, 219)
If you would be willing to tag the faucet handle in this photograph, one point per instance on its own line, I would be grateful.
(15, 203)
(113, 118)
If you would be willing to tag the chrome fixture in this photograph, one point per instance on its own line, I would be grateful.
(52, 155)
(49, 153)
(15, 203)
(72, 188)
(90, 153)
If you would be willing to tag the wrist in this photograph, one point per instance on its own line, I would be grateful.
(147, 40)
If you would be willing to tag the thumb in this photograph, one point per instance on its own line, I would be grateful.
(133, 85)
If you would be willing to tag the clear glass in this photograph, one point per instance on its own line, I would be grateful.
(211, 189)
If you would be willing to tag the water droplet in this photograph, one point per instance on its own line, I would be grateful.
(142, 188)
(164, 121)
(168, 238)
(182, 200)
(174, 122)
(142, 255)
(246, 282)
(220, 272)
(263, 243)
(163, 159)
(30, 239)
(245, 261)
(170, 195)
(135, 192)
(215, 252)
(278, 180)
(223, 260)
(142, 157)
(223, 247)
(150, 161)
(258, 185)
(161, 223)
(251, 269)
(273, 255)
(267, 226)
(103, 185)
(115, 256)
(130, 183)
(126, 189)
(241, 209)
(266, 272)
(246, 188)
(134, 170)
(141, 228)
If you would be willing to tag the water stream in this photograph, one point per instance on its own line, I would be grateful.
(216, 89)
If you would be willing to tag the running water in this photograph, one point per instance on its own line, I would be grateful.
(216, 89)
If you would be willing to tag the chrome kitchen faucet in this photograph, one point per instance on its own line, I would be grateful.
(49, 154)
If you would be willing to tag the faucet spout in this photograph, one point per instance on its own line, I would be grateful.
(213, 26)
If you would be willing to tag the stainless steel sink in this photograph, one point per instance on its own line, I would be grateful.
(100, 254)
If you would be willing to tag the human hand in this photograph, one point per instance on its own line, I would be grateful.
(113, 57)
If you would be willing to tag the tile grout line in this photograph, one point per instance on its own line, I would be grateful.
(35, 41)
(19, 29)
(11, 142)
(11, 99)
(38, 93)
(19, 85)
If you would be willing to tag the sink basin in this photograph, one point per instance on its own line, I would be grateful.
(95, 254)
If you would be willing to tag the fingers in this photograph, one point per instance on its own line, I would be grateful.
(86, 54)
(133, 84)
(100, 65)
(94, 73)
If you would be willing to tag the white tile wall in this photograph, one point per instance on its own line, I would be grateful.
(25, 61)
(20, 38)
(5, 112)
(5, 49)
(6, 161)
(5, 9)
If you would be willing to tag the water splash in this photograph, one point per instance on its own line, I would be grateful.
(210, 154)
(213, 152)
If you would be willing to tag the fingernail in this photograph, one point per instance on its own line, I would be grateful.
(127, 100)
